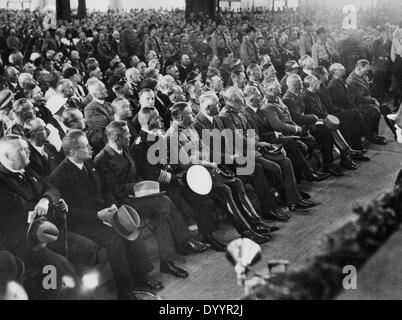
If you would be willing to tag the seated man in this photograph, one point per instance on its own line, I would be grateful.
(202, 207)
(23, 111)
(73, 119)
(23, 191)
(352, 117)
(342, 135)
(44, 157)
(98, 113)
(257, 120)
(122, 111)
(370, 108)
(277, 167)
(207, 119)
(183, 137)
(90, 206)
(294, 101)
(118, 172)
(342, 97)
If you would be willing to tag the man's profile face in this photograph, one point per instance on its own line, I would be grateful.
(83, 150)
(187, 117)
(19, 154)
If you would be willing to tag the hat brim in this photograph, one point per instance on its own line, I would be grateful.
(132, 236)
(148, 195)
(7, 101)
(32, 241)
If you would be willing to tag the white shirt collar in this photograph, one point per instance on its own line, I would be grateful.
(41, 150)
(12, 170)
(252, 108)
(211, 119)
(120, 152)
(99, 101)
(78, 165)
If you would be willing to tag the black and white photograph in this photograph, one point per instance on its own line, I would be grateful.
(200, 153)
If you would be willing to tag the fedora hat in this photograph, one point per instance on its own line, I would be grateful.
(40, 233)
(147, 189)
(11, 267)
(126, 222)
(397, 118)
(199, 180)
(5, 97)
(331, 122)
(55, 103)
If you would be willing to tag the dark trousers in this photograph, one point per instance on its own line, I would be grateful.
(83, 252)
(202, 207)
(279, 171)
(128, 259)
(168, 225)
(382, 81)
(263, 188)
(372, 116)
(293, 152)
(353, 127)
(324, 138)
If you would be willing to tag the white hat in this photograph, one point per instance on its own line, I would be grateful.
(55, 103)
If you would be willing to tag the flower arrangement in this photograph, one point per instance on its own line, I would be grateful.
(353, 244)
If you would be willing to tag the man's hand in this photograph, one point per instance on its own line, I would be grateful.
(42, 207)
(107, 214)
(299, 129)
(211, 165)
(265, 145)
(62, 205)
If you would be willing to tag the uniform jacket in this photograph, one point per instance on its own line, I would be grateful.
(249, 52)
(381, 53)
(279, 117)
(297, 107)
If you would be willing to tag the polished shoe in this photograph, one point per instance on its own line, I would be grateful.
(261, 230)
(278, 214)
(257, 238)
(334, 171)
(215, 244)
(172, 269)
(378, 141)
(317, 177)
(361, 158)
(266, 226)
(150, 284)
(303, 205)
(348, 165)
(193, 246)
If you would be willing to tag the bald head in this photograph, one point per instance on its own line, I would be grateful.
(14, 152)
(234, 98)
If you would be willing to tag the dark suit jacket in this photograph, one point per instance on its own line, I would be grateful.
(97, 117)
(340, 94)
(326, 100)
(17, 198)
(258, 121)
(297, 109)
(117, 172)
(360, 89)
(82, 192)
(314, 105)
(44, 167)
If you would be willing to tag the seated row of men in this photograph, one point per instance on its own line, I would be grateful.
(36, 174)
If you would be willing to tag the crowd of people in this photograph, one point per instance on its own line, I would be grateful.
(83, 106)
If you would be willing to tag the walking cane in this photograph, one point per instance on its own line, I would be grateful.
(63, 214)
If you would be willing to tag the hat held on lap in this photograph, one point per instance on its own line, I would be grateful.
(40, 233)
(146, 189)
(126, 222)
